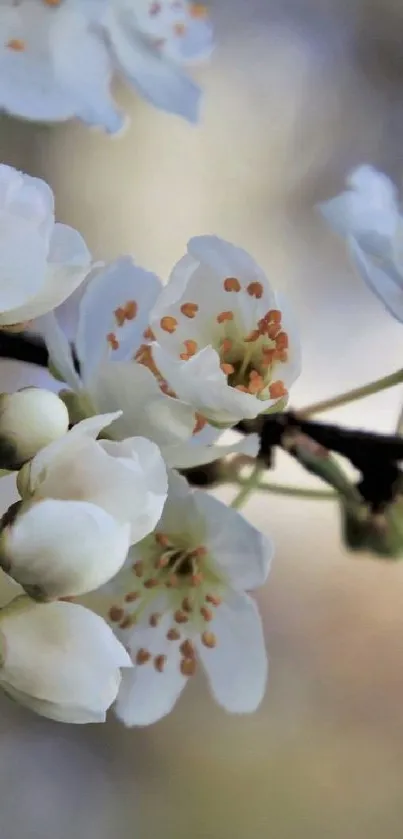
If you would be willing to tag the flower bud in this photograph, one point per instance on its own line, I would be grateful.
(60, 660)
(30, 419)
(378, 533)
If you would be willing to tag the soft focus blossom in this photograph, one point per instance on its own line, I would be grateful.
(58, 57)
(82, 508)
(60, 660)
(368, 215)
(30, 419)
(41, 263)
(112, 331)
(225, 342)
(181, 599)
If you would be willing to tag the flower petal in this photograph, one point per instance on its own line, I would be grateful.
(146, 410)
(381, 278)
(59, 349)
(237, 667)
(61, 653)
(238, 548)
(108, 291)
(185, 455)
(64, 548)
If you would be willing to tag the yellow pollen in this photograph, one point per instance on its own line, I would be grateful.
(188, 666)
(138, 568)
(180, 616)
(224, 316)
(168, 324)
(209, 640)
(277, 389)
(155, 619)
(173, 634)
(227, 368)
(160, 662)
(206, 613)
(232, 284)
(142, 656)
(131, 596)
(187, 649)
(112, 341)
(255, 290)
(116, 613)
(16, 44)
(189, 310)
(198, 10)
(213, 599)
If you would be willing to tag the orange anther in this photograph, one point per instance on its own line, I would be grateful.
(120, 315)
(180, 616)
(213, 599)
(227, 368)
(196, 579)
(273, 330)
(200, 423)
(209, 639)
(281, 355)
(187, 649)
(255, 290)
(224, 316)
(152, 582)
(16, 44)
(126, 622)
(142, 656)
(173, 634)
(116, 613)
(168, 324)
(198, 10)
(189, 309)
(232, 284)
(131, 309)
(226, 346)
(112, 341)
(256, 384)
(138, 568)
(191, 346)
(160, 662)
(253, 336)
(282, 341)
(155, 619)
(131, 596)
(148, 334)
(52, 2)
(162, 539)
(206, 613)
(199, 552)
(187, 604)
(188, 666)
(277, 389)
(273, 316)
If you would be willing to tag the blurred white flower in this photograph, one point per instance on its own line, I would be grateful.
(30, 419)
(41, 263)
(60, 660)
(112, 330)
(225, 342)
(82, 508)
(368, 215)
(182, 598)
(58, 57)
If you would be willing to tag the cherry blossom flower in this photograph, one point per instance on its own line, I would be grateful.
(58, 57)
(225, 342)
(41, 263)
(60, 660)
(81, 510)
(181, 600)
(368, 215)
(112, 331)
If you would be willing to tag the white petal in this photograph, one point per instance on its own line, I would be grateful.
(157, 80)
(27, 198)
(186, 456)
(381, 279)
(146, 410)
(237, 667)
(111, 288)
(61, 713)
(64, 548)
(201, 382)
(146, 695)
(59, 349)
(225, 259)
(23, 251)
(61, 653)
(238, 548)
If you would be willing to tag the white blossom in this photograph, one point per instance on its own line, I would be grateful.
(111, 332)
(41, 263)
(58, 57)
(30, 419)
(60, 660)
(225, 342)
(181, 599)
(82, 508)
(368, 215)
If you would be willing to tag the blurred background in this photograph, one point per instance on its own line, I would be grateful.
(298, 92)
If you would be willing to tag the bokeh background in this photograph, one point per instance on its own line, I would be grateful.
(298, 92)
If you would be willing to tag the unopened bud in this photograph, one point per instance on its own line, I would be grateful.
(378, 533)
(30, 419)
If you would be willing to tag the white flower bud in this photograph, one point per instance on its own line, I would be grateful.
(29, 420)
(59, 659)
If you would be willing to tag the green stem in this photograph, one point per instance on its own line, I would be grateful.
(248, 487)
(296, 492)
(352, 395)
